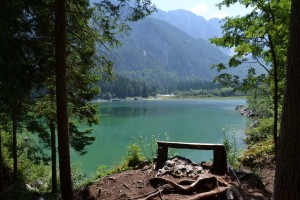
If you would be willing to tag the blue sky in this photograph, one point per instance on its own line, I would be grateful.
(205, 8)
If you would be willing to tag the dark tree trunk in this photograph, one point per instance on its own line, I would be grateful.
(61, 100)
(53, 156)
(1, 163)
(14, 145)
(287, 179)
(275, 95)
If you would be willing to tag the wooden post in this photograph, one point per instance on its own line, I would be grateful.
(220, 160)
(162, 156)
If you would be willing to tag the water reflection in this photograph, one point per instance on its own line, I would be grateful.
(183, 121)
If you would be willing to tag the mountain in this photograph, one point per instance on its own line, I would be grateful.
(156, 52)
(195, 26)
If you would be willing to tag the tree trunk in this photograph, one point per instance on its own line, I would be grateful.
(61, 100)
(287, 179)
(53, 156)
(275, 94)
(14, 145)
(1, 163)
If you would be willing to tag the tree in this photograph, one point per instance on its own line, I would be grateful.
(262, 36)
(287, 180)
(21, 63)
(26, 64)
(106, 20)
(61, 100)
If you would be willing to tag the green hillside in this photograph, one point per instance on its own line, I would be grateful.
(156, 52)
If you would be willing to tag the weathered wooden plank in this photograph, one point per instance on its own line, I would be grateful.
(182, 145)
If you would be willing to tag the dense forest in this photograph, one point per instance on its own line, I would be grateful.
(122, 87)
(55, 54)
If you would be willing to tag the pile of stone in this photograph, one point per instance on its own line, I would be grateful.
(180, 167)
(244, 110)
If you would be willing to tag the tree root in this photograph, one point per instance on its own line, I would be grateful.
(191, 187)
(149, 195)
(216, 185)
(211, 193)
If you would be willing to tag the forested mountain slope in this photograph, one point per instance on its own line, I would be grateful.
(155, 51)
(196, 26)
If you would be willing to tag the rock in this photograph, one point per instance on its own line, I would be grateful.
(91, 192)
(170, 163)
(180, 167)
(255, 124)
(243, 110)
(111, 178)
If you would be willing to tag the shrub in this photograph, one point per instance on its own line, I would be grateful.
(230, 144)
(134, 155)
(261, 132)
(258, 154)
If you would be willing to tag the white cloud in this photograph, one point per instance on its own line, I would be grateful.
(200, 9)
(219, 15)
(208, 12)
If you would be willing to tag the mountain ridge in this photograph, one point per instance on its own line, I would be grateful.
(157, 46)
(192, 24)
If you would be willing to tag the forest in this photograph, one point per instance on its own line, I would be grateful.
(122, 87)
(51, 66)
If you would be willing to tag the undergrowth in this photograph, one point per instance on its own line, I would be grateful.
(132, 160)
(230, 144)
(139, 152)
(260, 145)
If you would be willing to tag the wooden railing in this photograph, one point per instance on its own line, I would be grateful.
(219, 160)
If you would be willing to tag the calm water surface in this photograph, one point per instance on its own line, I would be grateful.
(182, 120)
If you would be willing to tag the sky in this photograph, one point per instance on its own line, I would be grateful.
(205, 8)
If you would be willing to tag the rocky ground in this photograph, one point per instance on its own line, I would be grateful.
(179, 179)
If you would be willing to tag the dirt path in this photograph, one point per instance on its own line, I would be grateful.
(135, 184)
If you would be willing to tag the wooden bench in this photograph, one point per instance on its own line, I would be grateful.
(219, 160)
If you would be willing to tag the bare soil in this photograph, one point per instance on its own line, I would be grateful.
(135, 184)
(267, 174)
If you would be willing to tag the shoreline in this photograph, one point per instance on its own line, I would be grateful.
(162, 98)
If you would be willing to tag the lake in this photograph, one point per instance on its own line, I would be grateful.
(197, 121)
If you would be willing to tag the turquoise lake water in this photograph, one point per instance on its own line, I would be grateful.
(197, 121)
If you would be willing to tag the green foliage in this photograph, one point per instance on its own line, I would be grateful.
(132, 160)
(122, 87)
(258, 154)
(37, 176)
(218, 92)
(138, 152)
(79, 178)
(134, 156)
(230, 144)
(102, 171)
(258, 37)
(260, 99)
(27, 77)
(149, 147)
(260, 151)
(260, 133)
(33, 169)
